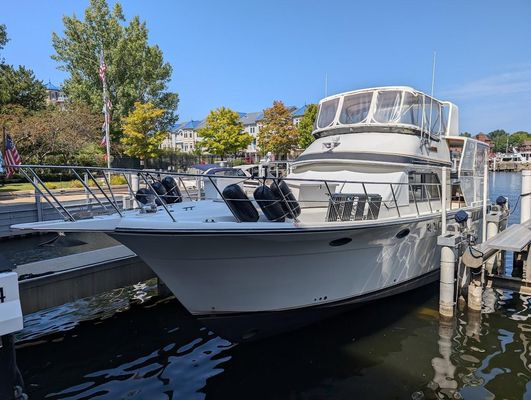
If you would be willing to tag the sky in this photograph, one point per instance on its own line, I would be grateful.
(245, 54)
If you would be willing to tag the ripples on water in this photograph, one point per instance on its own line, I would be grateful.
(394, 348)
(130, 344)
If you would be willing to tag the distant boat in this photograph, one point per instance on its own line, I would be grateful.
(356, 219)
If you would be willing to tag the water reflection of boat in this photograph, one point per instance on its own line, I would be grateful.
(355, 220)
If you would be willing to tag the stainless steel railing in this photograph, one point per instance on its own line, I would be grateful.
(96, 183)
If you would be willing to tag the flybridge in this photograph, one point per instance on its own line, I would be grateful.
(387, 109)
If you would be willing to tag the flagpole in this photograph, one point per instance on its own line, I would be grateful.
(107, 123)
(106, 110)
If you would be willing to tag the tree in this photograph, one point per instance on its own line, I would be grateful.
(20, 87)
(223, 133)
(306, 126)
(144, 131)
(3, 36)
(278, 134)
(517, 138)
(499, 139)
(53, 136)
(465, 134)
(136, 71)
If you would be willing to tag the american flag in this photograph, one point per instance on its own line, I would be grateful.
(11, 156)
(102, 69)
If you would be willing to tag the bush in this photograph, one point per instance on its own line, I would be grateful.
(118, 180)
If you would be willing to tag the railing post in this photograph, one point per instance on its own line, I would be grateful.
(443, 201)
(38, 203)
(135, 185)
(87, 191)
(414, 199)
(485, 200)
(525, 201)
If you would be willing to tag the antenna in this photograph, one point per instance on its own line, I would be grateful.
(433, 73)
(326, 84)
(432, 90)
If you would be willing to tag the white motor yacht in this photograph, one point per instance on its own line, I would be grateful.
(356, 219)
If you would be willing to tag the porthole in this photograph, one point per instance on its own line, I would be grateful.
(340, 242)
(402, 234)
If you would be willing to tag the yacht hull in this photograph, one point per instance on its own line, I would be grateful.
(225, 277)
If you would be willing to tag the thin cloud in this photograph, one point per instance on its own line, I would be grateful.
(516, 81)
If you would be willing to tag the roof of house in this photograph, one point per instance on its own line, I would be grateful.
(192, 124)
(51, 86)
(300, 112)
(251, 118)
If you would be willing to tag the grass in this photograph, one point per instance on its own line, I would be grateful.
(15, 187)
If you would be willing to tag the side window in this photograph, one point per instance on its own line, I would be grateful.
(424, 186)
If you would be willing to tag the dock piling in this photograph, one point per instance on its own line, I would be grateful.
(449, 242)
(525, 201)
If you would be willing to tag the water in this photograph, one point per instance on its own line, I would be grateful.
(129, 344)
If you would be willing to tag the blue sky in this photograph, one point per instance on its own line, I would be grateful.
(245, 54)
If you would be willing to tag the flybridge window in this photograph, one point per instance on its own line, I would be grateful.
(388, 107)
(355, 108)
(411, 109)
(327, 113)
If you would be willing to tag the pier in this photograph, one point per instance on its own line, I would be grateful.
(483, 265)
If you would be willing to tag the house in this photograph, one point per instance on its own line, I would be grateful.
(184, 136)
(298, 114)
(485, 139)
(251, 125)
(55, 95)
(526, 146)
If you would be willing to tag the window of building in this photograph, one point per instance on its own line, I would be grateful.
(251, 129)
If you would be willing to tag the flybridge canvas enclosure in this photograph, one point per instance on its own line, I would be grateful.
(384, 107)
(471, 169)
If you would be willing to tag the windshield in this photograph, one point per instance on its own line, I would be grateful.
(355, 108)
(327, 113)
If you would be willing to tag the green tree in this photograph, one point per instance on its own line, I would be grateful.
(306, 126)
(20, 87)
(144, 131)
(223, 133)
(136, 71)
(465, 134)
(3, 36)
(499, 139)
(52, 135)
(517, 138)
(278, 134)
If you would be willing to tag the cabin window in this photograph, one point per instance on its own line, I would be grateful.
(424, 186)
(327, 113)
(388, 106)
(355, 108)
